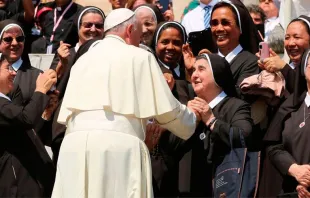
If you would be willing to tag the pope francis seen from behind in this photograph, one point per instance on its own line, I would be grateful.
(113, 90)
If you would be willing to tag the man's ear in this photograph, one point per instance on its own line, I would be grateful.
(129, 29)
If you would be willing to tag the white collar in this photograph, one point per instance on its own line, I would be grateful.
(17, 64)
(115, 37)
(77, 46)
(212, 3)
(4, 96)
(307, 100)
(292, 65)
(217, 99)
(176, 69)
(273, 19)
(231, 54)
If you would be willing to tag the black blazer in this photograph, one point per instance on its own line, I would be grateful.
(232, 113)
(25, 80)
(26, 170)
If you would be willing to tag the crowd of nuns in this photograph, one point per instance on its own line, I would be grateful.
(266, 102)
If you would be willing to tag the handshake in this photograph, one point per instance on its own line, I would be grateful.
(202, 111)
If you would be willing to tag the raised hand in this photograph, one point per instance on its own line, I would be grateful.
(204, 110)
(195, 109)
(188, 56)
(272, 64)
(45, 81)
(64, 52)
(168, 14)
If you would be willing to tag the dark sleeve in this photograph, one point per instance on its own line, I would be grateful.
(170, 143)
(289, 76)
(20, 17)
(280, 158)
(57, 133)
(25, 116)
(173, 146)
(43, 129)
(251, 68)
(2, 15)
(241, 122)
(39, 46)
(55, 62)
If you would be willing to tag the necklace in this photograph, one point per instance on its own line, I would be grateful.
(302, 124)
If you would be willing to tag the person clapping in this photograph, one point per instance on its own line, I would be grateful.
(25, 164)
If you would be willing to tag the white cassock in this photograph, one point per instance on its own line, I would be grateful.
(113, 90)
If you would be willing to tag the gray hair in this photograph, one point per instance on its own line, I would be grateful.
(257, 10)
(122, 27)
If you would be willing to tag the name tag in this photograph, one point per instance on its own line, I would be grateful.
(49, 49)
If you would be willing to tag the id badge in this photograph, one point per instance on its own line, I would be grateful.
(49, 49)
(35, 31)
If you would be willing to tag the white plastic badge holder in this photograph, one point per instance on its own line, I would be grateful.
(49, 49)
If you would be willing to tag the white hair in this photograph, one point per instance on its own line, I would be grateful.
(142, 9)
(122, 27)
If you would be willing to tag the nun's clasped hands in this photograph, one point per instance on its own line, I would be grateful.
(202, 110)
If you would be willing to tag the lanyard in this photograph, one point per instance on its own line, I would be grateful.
(57, 22)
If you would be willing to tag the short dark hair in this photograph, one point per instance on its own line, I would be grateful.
(256, 10)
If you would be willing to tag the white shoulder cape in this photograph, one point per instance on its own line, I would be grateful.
(117, 77)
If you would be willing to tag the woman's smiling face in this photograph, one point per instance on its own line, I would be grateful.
(169, 46)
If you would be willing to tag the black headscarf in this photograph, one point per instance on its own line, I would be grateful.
(160, 28)
(249, 38)
(221, 73)
(7, 24)
(72, 33)
(84, 11)
(155, 9)
(291, 104)
(304, 19)
(165, 25)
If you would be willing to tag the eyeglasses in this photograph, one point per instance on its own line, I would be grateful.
(262, 1)
(18, 39)
(216, 22)
(90, 25)
(10, 68)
